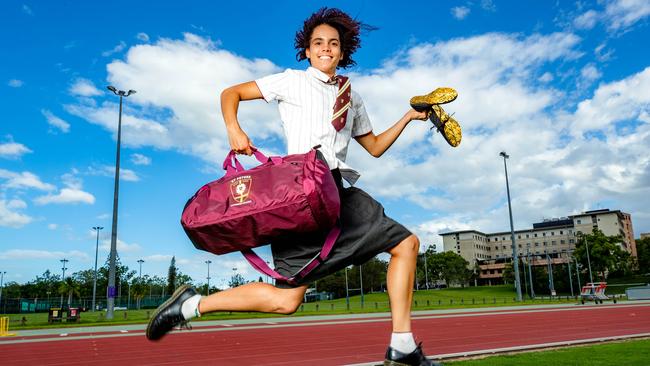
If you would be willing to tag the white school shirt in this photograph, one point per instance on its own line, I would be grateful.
(306, 105)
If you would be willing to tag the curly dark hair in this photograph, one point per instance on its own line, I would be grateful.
(349, 30)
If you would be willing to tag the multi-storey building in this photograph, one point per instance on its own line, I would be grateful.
(549, 240)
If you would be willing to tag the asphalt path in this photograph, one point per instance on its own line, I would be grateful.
(331, 340)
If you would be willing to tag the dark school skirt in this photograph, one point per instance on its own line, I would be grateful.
(365, 232)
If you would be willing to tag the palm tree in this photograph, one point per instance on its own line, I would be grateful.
(138, 289)
(70, 287)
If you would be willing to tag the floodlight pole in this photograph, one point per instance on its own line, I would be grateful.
(96, 228)
(111, 292)
(208, 263)
(515, 259)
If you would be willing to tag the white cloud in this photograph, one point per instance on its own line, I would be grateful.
(109, 171)
(55, 121)
(603, 54)
(66, 196)
(13, 150)
(72, 194)
(587, 20)
(85, 88)
(460, 12)
(139, 159)
(52, 226)
(546, 77)
(15, 83)
(160, 116)
(622, 14)
(144, 37)
(118, 48)
(488, 5)
(23, 180)
(9, 217)
(27, 10)
(590, 73)
(122, 247)
(25, 254)
(613, 102)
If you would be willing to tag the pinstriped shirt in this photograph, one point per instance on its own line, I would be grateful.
(306, 104)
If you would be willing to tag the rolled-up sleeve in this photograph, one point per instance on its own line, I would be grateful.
(361, 122)
(274, 87)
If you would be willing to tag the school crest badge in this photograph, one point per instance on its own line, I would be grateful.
(240, 189)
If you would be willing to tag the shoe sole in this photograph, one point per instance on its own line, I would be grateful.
(173, 298)
(449, 127)
(439, 96)
(393, 363)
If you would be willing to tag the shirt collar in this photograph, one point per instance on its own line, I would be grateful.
(318, 74)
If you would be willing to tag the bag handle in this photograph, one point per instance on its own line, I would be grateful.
(261, 266)
(237, 167)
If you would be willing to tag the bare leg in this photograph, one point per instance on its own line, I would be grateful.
(400, 277)
(254, 296)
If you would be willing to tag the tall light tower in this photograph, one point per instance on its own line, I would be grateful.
(515, 258)
(64, 261)
(111, 291)
(208, 263)
(140, 261)
(96, 228)
(2, 277)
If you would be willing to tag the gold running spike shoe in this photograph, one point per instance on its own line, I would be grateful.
(446, 125)
(439, 96)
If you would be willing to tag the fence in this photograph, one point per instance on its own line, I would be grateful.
(39, 305)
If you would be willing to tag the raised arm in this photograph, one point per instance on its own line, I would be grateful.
(230, 98)
(376, 145)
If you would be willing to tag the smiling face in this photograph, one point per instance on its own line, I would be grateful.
(324, 52)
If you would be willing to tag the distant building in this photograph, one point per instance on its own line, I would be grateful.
(550, 240)
(644, 235)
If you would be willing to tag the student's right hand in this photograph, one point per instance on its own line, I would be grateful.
(239, 142)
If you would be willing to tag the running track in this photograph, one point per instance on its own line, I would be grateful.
(330, 340)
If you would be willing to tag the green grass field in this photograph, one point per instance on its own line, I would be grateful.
(629, 353)
(470, 297)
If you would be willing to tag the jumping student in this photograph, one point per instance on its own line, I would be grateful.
(317, 108)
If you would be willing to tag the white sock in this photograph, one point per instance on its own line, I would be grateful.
(403, 342)
(190, 307)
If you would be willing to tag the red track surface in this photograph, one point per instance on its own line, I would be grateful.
(320, 343)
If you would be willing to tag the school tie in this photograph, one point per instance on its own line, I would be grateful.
(342, 103)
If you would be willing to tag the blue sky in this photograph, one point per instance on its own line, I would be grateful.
(563, 87)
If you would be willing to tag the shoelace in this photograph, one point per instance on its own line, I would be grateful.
(185, 324)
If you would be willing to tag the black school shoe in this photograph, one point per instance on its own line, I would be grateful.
(168, 315)
(415, 358)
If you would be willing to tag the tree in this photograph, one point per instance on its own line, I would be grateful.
(236, 280)
(508, 273)
(69, 287)
(605, 255)
(171, 276)
(139, 289)
(643, 255)
(450, 267)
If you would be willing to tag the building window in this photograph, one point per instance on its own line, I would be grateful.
(518, 236)
(553, 242)
(527, 236)
(544, 243)
(561, 232)
(535, 234)
(571, 241)
(543, 234)
(562, 242)
(536, 244)
(579, 222)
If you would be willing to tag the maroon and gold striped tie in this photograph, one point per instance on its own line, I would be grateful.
(342, 103)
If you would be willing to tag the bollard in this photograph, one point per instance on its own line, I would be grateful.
(427, 303)
(376, 305)
(483, 300)
(439, 302)
(125, 316)
(473, 301)
(331, 306)
(494, 300)
(148, 314)
(451, 301)
(316, 307)
(462, 300)
(416, 303)
(23, 321)
(302, 307)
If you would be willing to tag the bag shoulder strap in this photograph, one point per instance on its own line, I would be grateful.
(261, 266)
